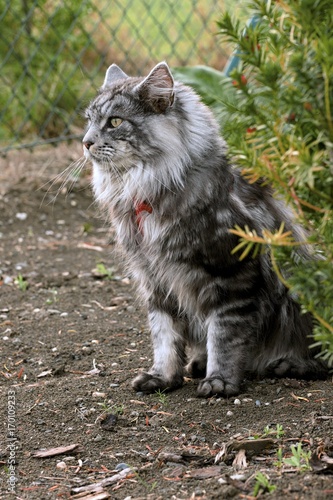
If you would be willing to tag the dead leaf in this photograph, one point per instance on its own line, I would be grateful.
(299, 398)
(44, 373)
(240, 460)
(205, 472)
(174, 473)
(104, 308)
(222, 453)
(322, 465)
(325, 458)
(166, 456)
(89, 246)
(255, 445)
(136, 402)
(105, 482)
(51, 452)
(97, 495)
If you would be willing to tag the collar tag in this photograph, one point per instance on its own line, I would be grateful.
(139, 209)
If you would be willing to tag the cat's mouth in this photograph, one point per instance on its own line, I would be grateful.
(86, 153)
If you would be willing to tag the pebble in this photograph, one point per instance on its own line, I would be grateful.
(121, 466)
(20, 265)
(258, 403)
(61, 465)
(98, 438)
(230, 413)
(114, 385)
(198, 492)
(97, 394)
(237, 402)
(53, 311)
(21, 215)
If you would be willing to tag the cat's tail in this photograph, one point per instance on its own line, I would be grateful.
(288, 351)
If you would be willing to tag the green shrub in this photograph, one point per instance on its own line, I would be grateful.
(275, 111)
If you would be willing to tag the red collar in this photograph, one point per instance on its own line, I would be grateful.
(139, 208)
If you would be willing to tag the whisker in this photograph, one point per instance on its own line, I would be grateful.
(65, 176)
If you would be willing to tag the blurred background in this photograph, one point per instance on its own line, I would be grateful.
(54, 54)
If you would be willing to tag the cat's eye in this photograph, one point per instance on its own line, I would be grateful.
(115, 122)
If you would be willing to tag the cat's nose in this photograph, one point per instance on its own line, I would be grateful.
(88, 144)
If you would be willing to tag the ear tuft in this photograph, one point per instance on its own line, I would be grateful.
(158, 88)
(113, 74)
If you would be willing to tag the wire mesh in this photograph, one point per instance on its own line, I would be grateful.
(54, 54)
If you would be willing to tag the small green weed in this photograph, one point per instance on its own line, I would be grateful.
(114, 409)
(262, 485)
(278, 432)
(104, 271)
(299, 459)
(162, 397)
(87, 227)
(279, 456)
(21, 283)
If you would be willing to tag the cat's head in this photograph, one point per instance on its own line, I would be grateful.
(145, 134)
(124, 117)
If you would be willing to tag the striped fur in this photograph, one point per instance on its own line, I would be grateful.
(234, 316)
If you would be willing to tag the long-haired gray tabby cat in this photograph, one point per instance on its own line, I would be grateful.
(161, 173)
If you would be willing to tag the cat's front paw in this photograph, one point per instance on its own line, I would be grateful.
(212, 386)
(148, 383)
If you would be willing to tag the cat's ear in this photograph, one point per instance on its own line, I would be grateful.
(113, 74)
(158, 88)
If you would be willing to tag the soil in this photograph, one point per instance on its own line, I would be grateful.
(73, 336)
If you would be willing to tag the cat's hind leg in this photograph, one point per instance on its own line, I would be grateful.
(168, 337)
(197, 350)
(196, 367)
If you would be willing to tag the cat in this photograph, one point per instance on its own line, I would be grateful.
(161, 173)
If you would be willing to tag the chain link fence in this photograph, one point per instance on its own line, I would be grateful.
(54, 54)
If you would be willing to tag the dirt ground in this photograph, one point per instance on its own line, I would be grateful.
(72, 337)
